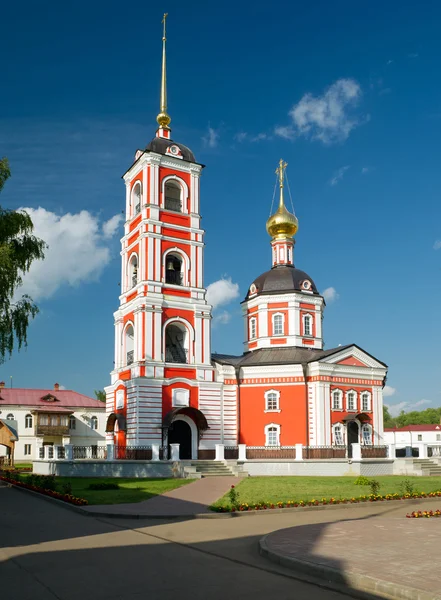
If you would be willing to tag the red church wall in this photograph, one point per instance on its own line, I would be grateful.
(338, 415)
(167, 396)
(351, 361)
(291, 418)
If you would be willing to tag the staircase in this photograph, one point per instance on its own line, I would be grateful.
(427, 467)
(211, 468)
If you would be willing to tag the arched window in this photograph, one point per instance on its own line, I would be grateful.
(307, 325)
(72, 422)
(136, 198)
(365, 401)
(272, 398)
(366, 433)
(351, 400)
(338, 435)
(10, 417)
(278, 324)
(176, 343)
(337, 403)
(133, 271)
(253, 328)
(94, 422)
(28, 421)
(129, 336)
(272, 435)
(173, 269)
(173, 196)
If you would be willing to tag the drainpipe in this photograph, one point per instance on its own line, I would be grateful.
(305, 375)
(237, 371)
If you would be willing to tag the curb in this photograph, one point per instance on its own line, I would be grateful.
(357, 582)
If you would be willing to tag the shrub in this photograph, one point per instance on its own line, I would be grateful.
(102, 485)
(375, 486)
(362, 480)
(407, 487)
(234, 497)
(67, 488)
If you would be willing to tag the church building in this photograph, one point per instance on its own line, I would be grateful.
(167, 386)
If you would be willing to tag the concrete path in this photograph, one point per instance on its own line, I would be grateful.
(191, 499)
(396, 555)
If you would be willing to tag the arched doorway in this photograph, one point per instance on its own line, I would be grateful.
(353, 435)
(180, 433)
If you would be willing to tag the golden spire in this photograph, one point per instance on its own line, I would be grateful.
(282, 224)
(163, 118)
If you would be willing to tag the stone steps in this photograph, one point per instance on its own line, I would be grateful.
(210, 468)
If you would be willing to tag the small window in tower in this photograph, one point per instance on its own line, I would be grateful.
(307, 320)
(253, 328)
(130, 345)
(173, 269)
(278, 325)
(173, 196)
(133, 271)
(136, 198)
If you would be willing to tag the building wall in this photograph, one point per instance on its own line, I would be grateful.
(319, 468)
(409, 438)
(107, 469)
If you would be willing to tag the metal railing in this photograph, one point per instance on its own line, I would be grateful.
(323, 452)
(172, 204)
(434, 451)
(61, 452)
(176, 354)
(231, 452)
(173, 277)
(164, 453)
(368, 451)
(206, 454)
(133, 452)
(130, 357)
(89, 452)
(270, 452)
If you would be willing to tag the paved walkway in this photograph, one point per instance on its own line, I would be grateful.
(391, 554)
(191, 499)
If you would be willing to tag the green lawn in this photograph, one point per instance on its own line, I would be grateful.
(23, 465)
(274, 489)
(131, 490)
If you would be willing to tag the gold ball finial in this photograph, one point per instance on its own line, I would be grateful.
(282, 224)
(164, 120)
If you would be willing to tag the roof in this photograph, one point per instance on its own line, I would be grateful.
(160, 145)
(34, 398)
(12, 427)
(282, 278)
(282, 356)
(428, 427)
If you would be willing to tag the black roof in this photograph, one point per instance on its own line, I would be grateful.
(160, 146)
(282, 278)
(281, 356)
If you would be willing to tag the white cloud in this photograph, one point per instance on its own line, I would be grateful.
(365, 170)
(413, 55)
(76, 253)
(221, 318)
(211, 139)
(259, 137)
(437, 245)
(338, 175)
(286, 132)
(330, 295)
(222, 292)
(395, 409)
(241, 136)
(326, 118)
(388, 390)
(390, 61)
(110, 227)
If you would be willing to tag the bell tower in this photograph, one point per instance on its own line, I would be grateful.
(162, 369)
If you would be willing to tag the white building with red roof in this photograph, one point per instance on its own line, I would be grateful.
(426, 439)
(46, 419)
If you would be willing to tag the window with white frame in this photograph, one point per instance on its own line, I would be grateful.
(351, 400)
(420, 437)
(366, 432)
(272, 401)
(94, 422)
(365, 401)
(136, 198)
(278, 324)
(438, 437)
(72, 422)
(307, 325)
(253, 328)
(338, 435)
(337, 403)
(28, 421)
(27, 449)
(272, 435)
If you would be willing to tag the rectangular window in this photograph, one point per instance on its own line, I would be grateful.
(338, 436)
(420, 437)
(27, 449)
(351, 401)
(252, 328)
(44, 419)
(308, 325)
(365, 402)
(278, 325)
(273, 437)
(367, 437)
(72, 423)
(272, 401)
(336, 401)
(438, 437)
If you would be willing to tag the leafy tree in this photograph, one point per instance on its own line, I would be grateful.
(388, 420)
(100, 395)
(18, 249)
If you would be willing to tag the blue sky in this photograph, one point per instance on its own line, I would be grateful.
(348, 94)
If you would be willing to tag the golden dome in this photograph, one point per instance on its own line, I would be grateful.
(282, 224)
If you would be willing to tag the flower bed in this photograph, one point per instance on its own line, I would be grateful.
(425, 514)
(52, 493)
(244, 507)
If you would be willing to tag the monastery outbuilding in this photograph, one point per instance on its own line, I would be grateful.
(168, 388)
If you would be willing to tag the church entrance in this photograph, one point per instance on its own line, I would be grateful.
(180, 433)
(353, 436)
